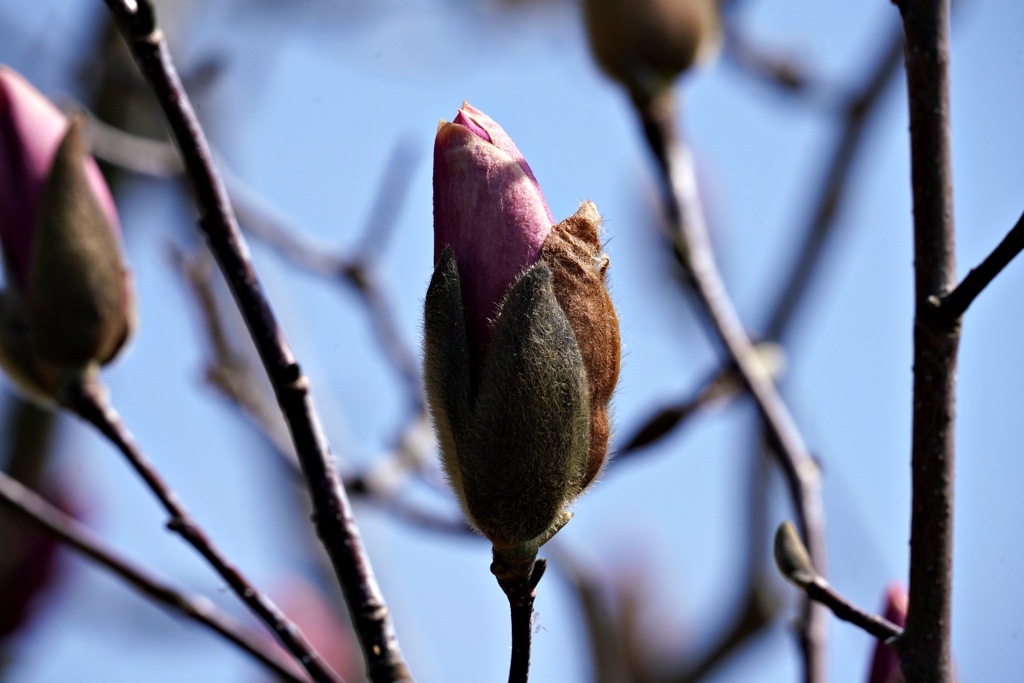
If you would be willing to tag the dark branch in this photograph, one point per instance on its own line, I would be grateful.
(954, 304)
(37, 511)
(925, 645)
(332, 513)
(86, 399)
(820, 591)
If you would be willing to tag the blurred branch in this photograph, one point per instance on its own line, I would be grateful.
(230, 372)
(856, 115)
(332, 514)
(621, 649)
(266, 223)
(85, 398)
(689, 234)
(228, 369)
(954, 304)
(925, 645)
(782, 72)
(37, 511)
(720, 388)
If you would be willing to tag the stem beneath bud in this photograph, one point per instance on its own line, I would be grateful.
(518, 576)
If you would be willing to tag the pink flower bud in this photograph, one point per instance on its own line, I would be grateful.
(29, 568)
(521, 340)
(885, 664)
(489, 208)
(68, 303)
(31, 129)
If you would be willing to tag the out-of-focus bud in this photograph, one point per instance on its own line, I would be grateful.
(67, 306)
(885, 663)
(28, 567)
(317, 617)
(521, 340)
(646, 44)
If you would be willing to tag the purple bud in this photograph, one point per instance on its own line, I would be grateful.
(31, 130)
(521, 342)
(885, 664)
(489, 208)
(68, 304)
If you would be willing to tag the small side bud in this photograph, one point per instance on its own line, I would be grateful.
(792, 558)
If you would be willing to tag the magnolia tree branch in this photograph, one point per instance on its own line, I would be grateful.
(924, 647)
(689, 234)
(795, 565)
(332, 513)
(86, 399)
(35, 510)
(954, 304)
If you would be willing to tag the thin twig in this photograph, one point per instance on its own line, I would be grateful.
(332, 514)
(956, 302)
(689, 233)
(86, 399)
(718, 389)
(34, 509)
(925, 645)
(819, 590)
(779, 71)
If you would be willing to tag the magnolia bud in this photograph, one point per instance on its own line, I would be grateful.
(645, 44)
(885, 663)
(521, 340)
(68, 303)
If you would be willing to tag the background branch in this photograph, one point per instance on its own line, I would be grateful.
(86, 400)
(689, 234)
(35, 510)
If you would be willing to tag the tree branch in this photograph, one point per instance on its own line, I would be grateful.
(954, 304)
(332, 513)
(924, 648)
(879, 627)
(85, 398)
(34, 509)
(795, 565)
(689, 234)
